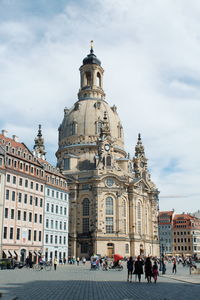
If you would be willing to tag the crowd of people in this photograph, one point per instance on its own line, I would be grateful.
(140, 266)
(148, 266)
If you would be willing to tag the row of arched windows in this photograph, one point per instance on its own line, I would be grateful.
(140, 220)
(88, 79)
(109, 211)
(98, 125)
(109, 207)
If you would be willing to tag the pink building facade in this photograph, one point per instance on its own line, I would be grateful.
(23, 202)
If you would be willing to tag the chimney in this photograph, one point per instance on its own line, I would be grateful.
(4, 132)
(15, 138)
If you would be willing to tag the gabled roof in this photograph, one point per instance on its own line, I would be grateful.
(52, 170)
(185, 217)
(169, 213)
(17, 145)
(137, 181)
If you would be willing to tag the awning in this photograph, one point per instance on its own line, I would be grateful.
(11, 253)
(17, 252)
(6, 253)
(31, 251)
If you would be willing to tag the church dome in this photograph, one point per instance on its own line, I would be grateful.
(82, 123)
(81, 126)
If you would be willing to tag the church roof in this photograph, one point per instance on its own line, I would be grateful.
(91, 59)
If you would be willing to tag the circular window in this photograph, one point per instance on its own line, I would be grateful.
(109, 182)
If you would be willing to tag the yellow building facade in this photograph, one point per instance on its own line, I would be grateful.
(113, 202)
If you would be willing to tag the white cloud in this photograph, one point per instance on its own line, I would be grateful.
(150, 52)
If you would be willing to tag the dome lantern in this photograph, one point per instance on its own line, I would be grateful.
(91, 74)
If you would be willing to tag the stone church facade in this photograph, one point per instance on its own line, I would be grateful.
(113, 202)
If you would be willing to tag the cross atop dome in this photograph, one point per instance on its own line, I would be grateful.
(91, 57)
(91, 46)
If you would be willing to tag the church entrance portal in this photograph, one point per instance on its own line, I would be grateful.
(110, 249)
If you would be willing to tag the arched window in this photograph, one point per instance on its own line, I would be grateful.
(124, 208)
(98, 79)
(124, 215)
(109, 206)
(74, 128)
(139, 218)
(147, 220)
(139, 210)
(86, 207)
(88, 79)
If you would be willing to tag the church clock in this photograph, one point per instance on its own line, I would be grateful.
(107, 147)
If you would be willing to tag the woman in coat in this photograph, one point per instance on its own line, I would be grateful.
(148, 269)
(130, 263)
(138, 268)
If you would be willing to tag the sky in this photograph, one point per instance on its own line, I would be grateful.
(150, 53)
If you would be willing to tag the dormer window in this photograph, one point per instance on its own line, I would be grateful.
(98, 126)
(67, 163)
(73, 128)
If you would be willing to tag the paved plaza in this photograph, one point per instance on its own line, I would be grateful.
(80, 283)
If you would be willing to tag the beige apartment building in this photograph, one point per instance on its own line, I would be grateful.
(23, 211)
(2, 183)
(113, 201)
(186, 235)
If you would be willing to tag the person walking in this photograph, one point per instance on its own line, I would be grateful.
(155, 271)
(130, 263)
(55, 262)
(148, 269)
(77, 261)
(174, 266)
(138, 268)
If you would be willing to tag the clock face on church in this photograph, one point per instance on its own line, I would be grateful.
(107, 147)
(110, 181)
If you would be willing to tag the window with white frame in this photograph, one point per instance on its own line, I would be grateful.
(139, 218)
(109, 224)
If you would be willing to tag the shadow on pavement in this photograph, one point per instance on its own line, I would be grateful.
(102, 290)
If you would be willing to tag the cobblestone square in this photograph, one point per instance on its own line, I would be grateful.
(80, 283)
